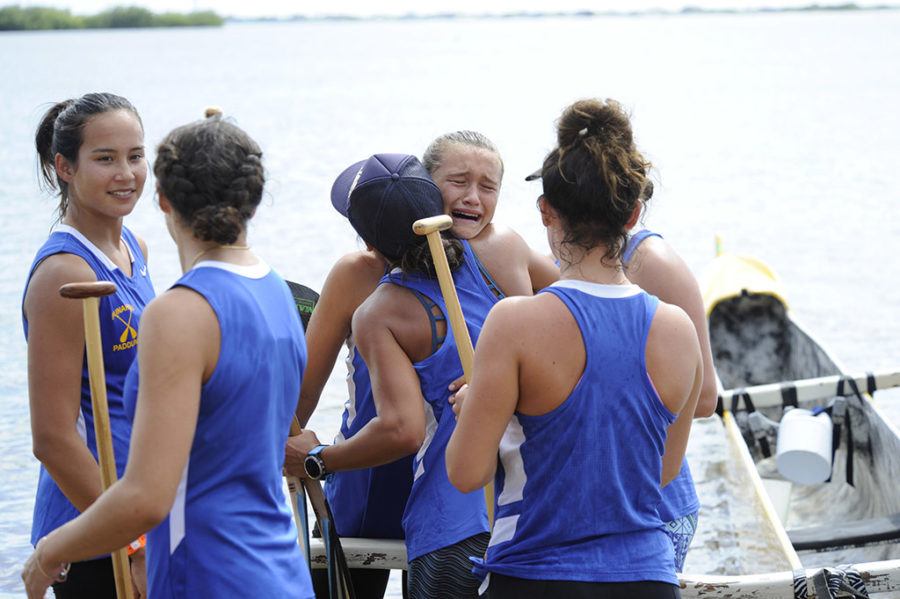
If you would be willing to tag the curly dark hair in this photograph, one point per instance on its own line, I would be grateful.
(211, 172)
(417, 257)
(61, 131)
(596, 176)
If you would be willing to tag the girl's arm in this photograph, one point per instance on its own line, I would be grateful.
(398, 429)
(488, 403)
(660, 271)
(328, 328)
(146, 251)
(350, 282)
(542, 269)
(55, 361)
(675, 367)
(178, 351)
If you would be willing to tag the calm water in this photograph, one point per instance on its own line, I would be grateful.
(778, 132)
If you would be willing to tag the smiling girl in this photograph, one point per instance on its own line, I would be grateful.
(91, 152)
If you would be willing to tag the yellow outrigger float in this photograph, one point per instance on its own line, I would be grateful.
(761, 536)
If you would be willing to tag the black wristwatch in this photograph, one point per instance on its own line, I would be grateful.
(314, 465)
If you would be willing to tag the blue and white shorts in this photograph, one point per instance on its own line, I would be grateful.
(681, 532)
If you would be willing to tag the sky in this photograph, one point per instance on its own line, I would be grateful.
(275, 8)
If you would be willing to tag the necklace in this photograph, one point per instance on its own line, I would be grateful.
(213, 248)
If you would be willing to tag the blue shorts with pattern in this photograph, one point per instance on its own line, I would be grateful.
(681, 532)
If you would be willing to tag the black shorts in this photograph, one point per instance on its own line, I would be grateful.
(93, 579)
(447, 572)
(507, 587)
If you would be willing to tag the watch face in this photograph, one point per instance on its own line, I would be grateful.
(313, 467)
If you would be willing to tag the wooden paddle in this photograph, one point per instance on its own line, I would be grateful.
(305, 299)
(91, 293)
(339, 582)
(340, 586)
(431, 228)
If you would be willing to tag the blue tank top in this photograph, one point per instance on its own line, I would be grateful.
(230, 532)
(370, 502)
(119, 316)
(366, 503)
(679, 497)
(578, 487)
(437, 515)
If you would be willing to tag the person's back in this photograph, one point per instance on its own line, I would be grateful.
(231, 508)
(588, 406)
(587, 391)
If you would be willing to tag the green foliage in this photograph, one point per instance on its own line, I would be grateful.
(17, 18)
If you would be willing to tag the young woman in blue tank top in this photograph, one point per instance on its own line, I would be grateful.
(369, 502)
(91, 151)
(401, 332)
(220, 362)
(587, 390)
(655, 267)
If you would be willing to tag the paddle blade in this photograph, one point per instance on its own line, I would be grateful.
(306, 300)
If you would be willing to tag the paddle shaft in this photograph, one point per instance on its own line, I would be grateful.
(738, 445)
(431, 228)
(451, 299)
(90, 296)
(320, 507)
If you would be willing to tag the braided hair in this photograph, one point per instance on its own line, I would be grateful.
(211, 172)
(595, 177)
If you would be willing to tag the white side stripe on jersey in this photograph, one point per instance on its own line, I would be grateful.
(176, 516)
(513, 468)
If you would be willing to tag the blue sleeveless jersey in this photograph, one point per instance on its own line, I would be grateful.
(366, 503)
(230, 532)
(119, 316)
(437, 515)
(578, 487)
(679, 497)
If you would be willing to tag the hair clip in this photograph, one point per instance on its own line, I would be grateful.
(583, 132)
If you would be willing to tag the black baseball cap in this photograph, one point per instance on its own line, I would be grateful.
(383, 196)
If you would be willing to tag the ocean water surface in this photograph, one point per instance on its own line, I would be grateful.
(778, 132)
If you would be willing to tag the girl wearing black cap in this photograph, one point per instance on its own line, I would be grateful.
(369, 503)
(582, 389)
(402, 334)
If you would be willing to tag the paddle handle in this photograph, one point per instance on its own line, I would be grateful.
(432, 228)
(451, 299)
(96, 375)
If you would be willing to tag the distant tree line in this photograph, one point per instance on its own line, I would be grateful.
(18, 18)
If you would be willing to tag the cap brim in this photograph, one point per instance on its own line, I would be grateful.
(535, 175)
(340, 190)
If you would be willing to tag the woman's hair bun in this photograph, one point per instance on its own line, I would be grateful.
(593, 118)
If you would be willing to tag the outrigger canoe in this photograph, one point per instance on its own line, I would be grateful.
(844, 532)
(761, 536)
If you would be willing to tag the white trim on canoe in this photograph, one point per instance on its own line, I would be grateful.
(880, 577)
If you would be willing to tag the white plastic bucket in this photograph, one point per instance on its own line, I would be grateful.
(803, 454)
